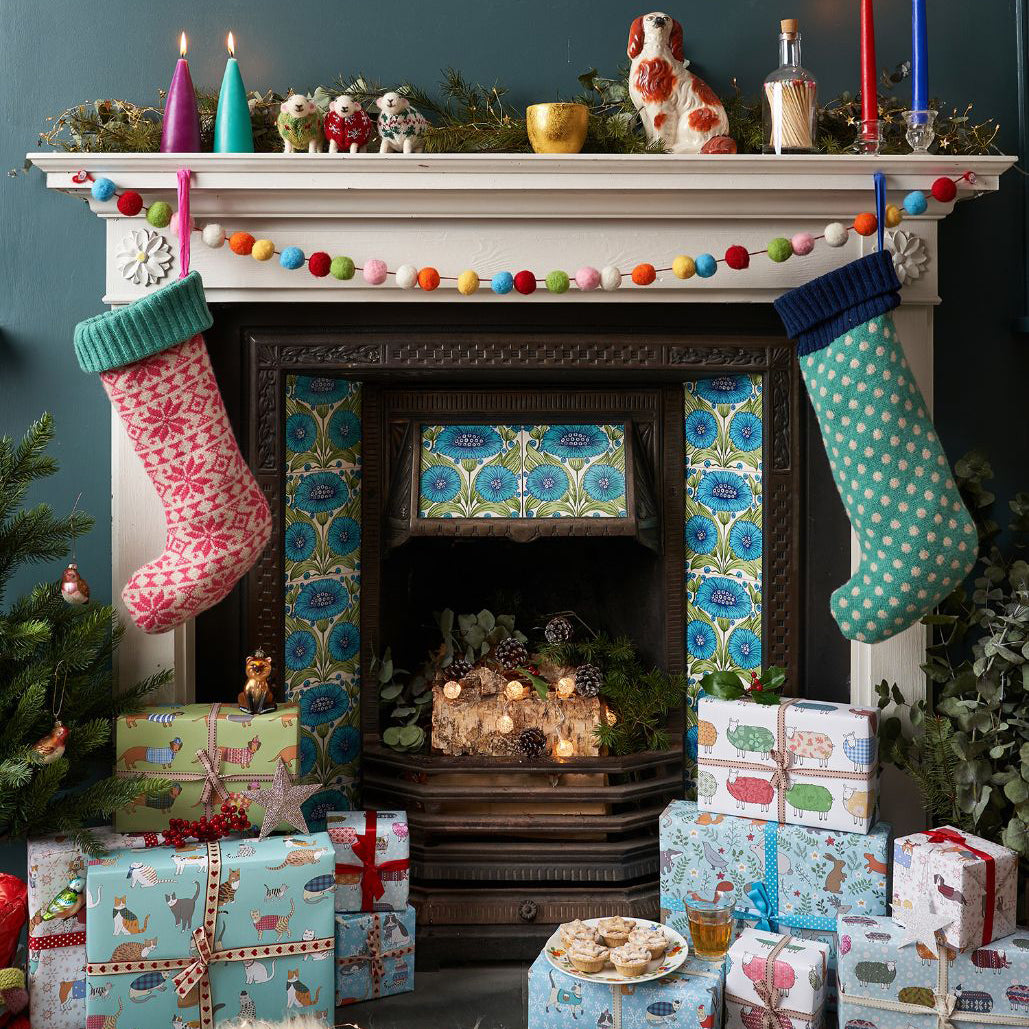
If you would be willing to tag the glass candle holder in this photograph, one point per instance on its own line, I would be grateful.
(869, 138)
(711, 923)
(921, 130)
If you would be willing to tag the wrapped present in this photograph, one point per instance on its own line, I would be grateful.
(210, 751)
(800, 762)
(785, 878)
(211, 932)
(891, 981)
(775, 981)
(374, 954)
(688, 998)
(372, 859)
(970, 878)
(57, 931)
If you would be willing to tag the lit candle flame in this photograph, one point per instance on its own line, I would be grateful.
(182, 45)
(231, 44)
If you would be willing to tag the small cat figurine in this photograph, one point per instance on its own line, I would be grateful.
(227, 888)
(134, 950)
(275, 892)
(125, 922)
(278, 924)
(297, 994)
(182, 908)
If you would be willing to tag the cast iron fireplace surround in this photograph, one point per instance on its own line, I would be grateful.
(512, 871)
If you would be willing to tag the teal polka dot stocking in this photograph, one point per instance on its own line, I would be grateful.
(917, 539)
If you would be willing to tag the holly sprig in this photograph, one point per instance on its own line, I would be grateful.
(762, 688)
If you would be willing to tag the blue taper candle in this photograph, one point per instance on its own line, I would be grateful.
(919, 58)
(232, 132)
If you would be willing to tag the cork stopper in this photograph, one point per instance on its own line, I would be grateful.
(788, 26)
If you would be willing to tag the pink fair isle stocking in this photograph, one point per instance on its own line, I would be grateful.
(217, 518)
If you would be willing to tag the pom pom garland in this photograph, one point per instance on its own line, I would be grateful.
(587, 278)
(684, 267)
(610, 278)
(502, 283)
(374, 272)
(836, 234)
(558, 282)
(242, 243)
(803, 243)
(737, 258)
(525, 282)
(428, 279)
(319, 263)
(894, 216)
(263, 250)
(159, 214)
(175, 224)
(342, 268)
(643, 274)
(780, 249)
(291, 258)
(467, 283)
(706, 266)
(102, 190)
(866, 223)
(407, 276)
(944, 190)
(130, 203)
(915, 203)
(213, 235)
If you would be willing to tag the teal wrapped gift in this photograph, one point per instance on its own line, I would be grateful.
(374, 954)
(689, 998)
(210, 932)
(888, 984)
(786, 878)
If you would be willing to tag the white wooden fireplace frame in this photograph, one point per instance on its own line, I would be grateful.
(494, 212)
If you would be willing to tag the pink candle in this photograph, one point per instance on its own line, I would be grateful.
(180, 133)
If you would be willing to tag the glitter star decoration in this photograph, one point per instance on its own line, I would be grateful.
(921, 926)
(281, 801)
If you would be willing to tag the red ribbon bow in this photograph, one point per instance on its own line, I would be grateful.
(372, 887)
(948, 835)
(197, 968)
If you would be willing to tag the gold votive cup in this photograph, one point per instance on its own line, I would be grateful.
(557, 128)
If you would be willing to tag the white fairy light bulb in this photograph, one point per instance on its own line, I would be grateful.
(505, 723)
(564, 748)
(452, 690)
(514, 690)
(566, 687)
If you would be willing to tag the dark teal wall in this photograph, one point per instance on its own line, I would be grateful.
(55, 53)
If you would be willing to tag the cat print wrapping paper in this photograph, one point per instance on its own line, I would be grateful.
(194, 933)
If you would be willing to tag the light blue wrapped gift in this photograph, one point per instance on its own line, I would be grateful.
(888, 986)
(374, 954)
(786, 878)
(206, 933)
(688, 998)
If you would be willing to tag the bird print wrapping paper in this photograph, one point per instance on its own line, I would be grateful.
(57, 946)
(373, 868)
(957, 874)
(689, 998)
(374, 954)
(884, 985)
(163, 742)
(259, 911)
(801, 762)
(766, 972)
(788, 878)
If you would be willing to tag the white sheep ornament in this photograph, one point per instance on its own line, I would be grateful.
(346, 126)
(401, 128)
(299, 124)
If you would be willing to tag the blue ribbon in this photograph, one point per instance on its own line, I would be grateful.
(762, 903)
(880, 205)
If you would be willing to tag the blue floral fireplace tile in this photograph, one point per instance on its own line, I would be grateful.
(522, 471)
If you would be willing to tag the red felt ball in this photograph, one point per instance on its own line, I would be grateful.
(943, 190)
(130, 203)
(737, 258)
(319, 263)
(866, 223)
(643, 274)
(525, 282)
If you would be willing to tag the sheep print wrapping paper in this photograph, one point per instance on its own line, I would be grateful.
(373, 867)
(768, 973)
(237, 929)
(57, 946)
(785, 878)
(688, 998)
(801, 762)
(884, 985)
(374, 954)
(961, 875)
(210, 752)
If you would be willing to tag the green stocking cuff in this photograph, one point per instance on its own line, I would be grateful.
(146, 326)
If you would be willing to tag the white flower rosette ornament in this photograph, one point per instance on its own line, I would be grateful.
(143, 257)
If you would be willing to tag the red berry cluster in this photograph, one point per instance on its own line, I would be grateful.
(231, 819)
(755, 683)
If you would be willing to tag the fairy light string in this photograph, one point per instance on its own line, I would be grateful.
(321, 265)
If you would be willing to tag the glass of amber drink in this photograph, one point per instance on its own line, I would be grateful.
(711, 923)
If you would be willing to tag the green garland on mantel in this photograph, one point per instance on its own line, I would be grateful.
(472, 118)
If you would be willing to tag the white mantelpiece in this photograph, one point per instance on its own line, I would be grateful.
(507, 212)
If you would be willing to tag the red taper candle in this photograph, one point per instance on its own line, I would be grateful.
(869, 75)
(180, 133)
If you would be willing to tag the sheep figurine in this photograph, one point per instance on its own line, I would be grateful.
(401, 128)
(347, 127)
(299, 124)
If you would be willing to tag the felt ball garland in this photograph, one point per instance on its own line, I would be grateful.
(587, 278)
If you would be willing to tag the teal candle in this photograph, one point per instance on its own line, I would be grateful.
(232, 132)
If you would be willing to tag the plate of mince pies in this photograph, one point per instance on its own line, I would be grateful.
(616, 949)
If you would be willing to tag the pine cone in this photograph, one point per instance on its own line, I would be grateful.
(531, 742)
(458, 668)
(588, 680)
(558, 630)
(511, 652)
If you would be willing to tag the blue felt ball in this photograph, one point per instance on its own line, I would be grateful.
(103, 189)
(915, 203)
(502, 282)
(706, 266)
(292, 257)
